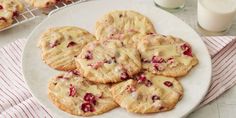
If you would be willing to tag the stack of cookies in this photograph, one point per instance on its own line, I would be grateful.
(8, 10)
(125, 64)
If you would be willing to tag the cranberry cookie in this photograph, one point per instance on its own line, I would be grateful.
(123, 25)
(166, 55)
(108, 61)
(73, 94)
(44, 3)
(147, 93)
(60, 46)
(8, 10)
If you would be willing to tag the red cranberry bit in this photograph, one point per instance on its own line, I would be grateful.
(170, 60)
(15, 14)
(130, 88)
(96, 65)
(161, 108)
(114, 59)
(124, 76)
(155, 97)
(156, 59)
(89, 55)
(141, 78)
(89, 97)
(72, 91)
(58, 1)
(54, 43)
(70, 44)
(168, 83)
(61, 77)
(145, 60)
(4, 19)
(158, 67)
(148, 83)
(87, 107)
(75, 72)
(187, 49)
(48, 4)
(1, 7)
(149, 33)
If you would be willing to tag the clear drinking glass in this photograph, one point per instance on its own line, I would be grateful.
(216, 16)
(170, 4)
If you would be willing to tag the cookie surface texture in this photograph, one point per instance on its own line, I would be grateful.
(108, 61)
(147, 93)
(60, 46)
(166, 55)
(8, 10)
(73, 94)
(123, 25)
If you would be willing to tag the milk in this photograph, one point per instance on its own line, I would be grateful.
(216, 15)
(171, 4)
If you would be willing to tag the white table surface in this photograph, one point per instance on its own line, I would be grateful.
(223, 107)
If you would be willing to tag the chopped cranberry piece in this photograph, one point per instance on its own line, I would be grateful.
(156, 59)
(141, 78)
(89, 97)
(15, 14)
(188, 52)
(114, 59)
(187, 49)
(130, 88)
(161, 108)
(170, 60)
(149, 33)
(1, 7)
(48, 4)
(89, 55)
(124, 76)
(58, 1)
(185, 46)
(70, 44)
(75, 72)
(155, 97)
(168, 83)
(87, 107)
(158, 67)
(62, 77)
(145, 60)
(72, 91)
(97, 65)
(4, 19)
(54, 43)
(148, 83)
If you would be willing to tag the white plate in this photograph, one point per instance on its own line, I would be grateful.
(84, 15)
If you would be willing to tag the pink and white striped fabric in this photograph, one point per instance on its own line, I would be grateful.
(17, 102)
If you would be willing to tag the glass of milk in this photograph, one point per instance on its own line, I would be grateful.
(170, 4)
(216, 15)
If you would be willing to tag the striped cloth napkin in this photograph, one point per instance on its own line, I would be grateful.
(17, 102)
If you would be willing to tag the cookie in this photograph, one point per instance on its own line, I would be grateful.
(44, 3)
(123, 25)
(147, 93)
(108, 61)
(73, 94)
(8, 10)
(60, 46)
(166, 55)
